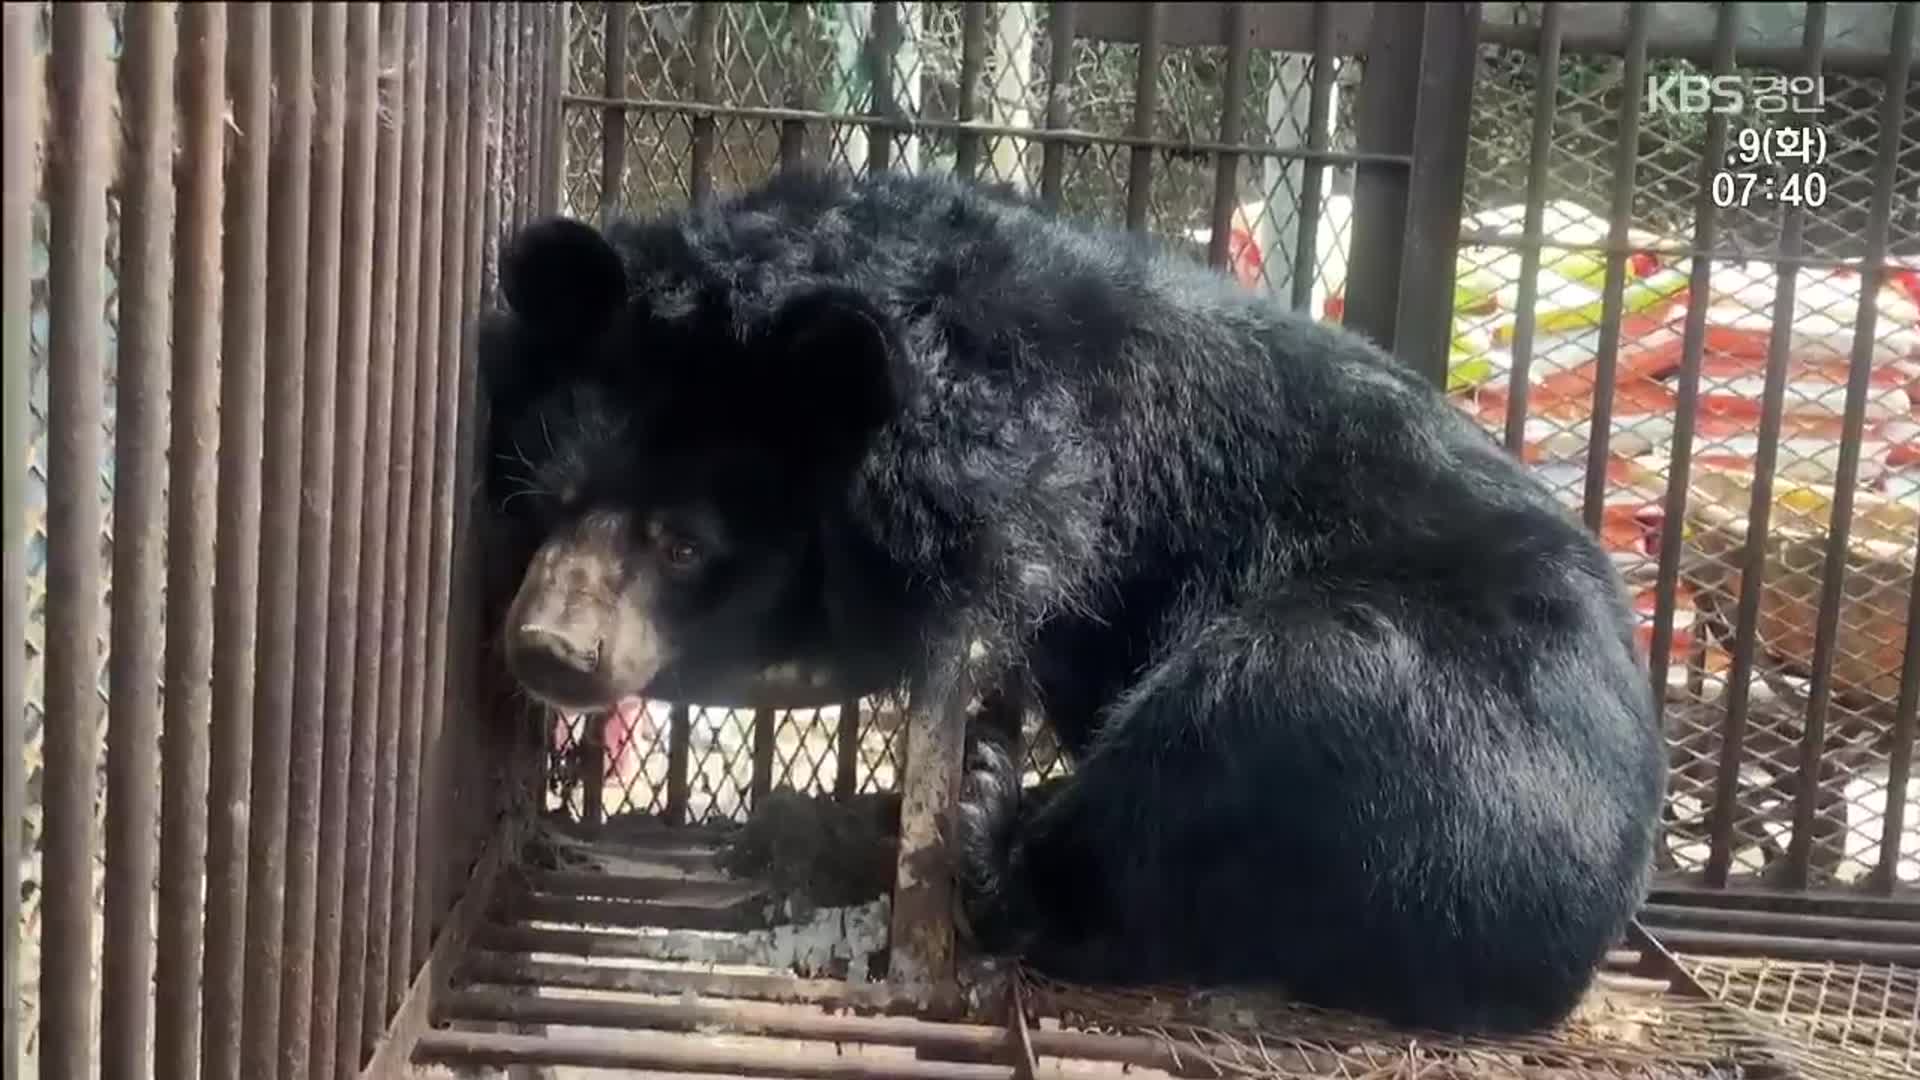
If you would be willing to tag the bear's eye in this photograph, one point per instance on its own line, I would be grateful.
(682, 553)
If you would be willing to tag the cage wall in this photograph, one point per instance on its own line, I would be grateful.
(1575, 269)
(251, 760)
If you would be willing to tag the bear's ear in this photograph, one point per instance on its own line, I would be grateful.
(563, 278)
(828, 351)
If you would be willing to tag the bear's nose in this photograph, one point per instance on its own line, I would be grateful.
(573, 652)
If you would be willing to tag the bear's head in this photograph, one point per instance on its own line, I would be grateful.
(659, 467)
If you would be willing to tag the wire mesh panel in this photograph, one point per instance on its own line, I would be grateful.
(211, 213)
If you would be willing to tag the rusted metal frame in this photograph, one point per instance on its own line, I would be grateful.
(1840, 59)
(1787, 925)
(655, 1053)
(1275, 27)
(706, 60)
(1313, 175)
(1233, 122)
(1900, 764)
(921, 933)
(1693, 341)
(1146, 103)
(613, 120)
(289, 176)
(394, 1049)
(639, 914)
(415, 291)
(145, 189)
(406, 949)
(437, 511)
(846, 748)
(1539, 154)
(1383, 125)
(21, 130)
(760, 784)
(1773, 946)
(1753, 557)
(243, 363)
(1761, 1053)
(882, 48)
(1065, 136)
(1688, 892)
(312, 749)
(679, 750)
(191, 526)
(973, 64)
(347, 768)
(79, 166)
(1053, 154)
(513, 119)
(802, 1023)
(1873, 273)
(552, 38)
(516, 969)
(797, 64)
(1443, 107)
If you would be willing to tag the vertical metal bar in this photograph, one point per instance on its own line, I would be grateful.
(1540, 154)
(289, 179)
(706, 61)
(434, 505)
(389, 810)
(139, 514)
(419, 504)
(1900, 767)
(242, 409)
(846, 746)
(798, 67)
(1313, 176)
(1383, 125)
(881, 51)
(311, 749)
(1706, 231)
(370, 779)
(1772, 405)
(78, 166)
(613, 119)
(1053, 154)
(1233, 123)
(346, 768)
(679, 740)
(762, 781)
(512, 137)
(1620, 220)
(553, 183)
(21, 130)
(191, 527)
(1146, 102)
(1853, 419)
(973, 63)
(590, 770)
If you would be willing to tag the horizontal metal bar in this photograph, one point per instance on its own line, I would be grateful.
(652, 1051)
(912, 126)
(701, 889)
(1775, 947)
(1512, 242)
(1281, 27)
(1840, 60)
(518, 970)
(1766, 922)
(1849, 904)
(637, 914)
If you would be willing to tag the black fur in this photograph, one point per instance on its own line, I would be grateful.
(1353, 703)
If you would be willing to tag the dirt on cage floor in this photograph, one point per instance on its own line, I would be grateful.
(635, 953)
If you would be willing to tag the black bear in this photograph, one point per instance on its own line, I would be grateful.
(1353, 703)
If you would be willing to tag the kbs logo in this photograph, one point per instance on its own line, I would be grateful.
(1736, 95)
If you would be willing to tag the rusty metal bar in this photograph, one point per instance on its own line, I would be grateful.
(433, 506)
(921, 934)
(242, 414)
(1539, 155)
(346, 774)
(679, 744)
(881, 52)
(1146, 103)
(312, 663)
(21, 130)
(613, 121)
(78, 167)
(556, 83)
(290, 174)
(1900, 764)
(1772, 406)
(1873, 272)
(761, 782)
(846, 746)
(706, 48)
(1053, 155)
(1778, 924)
(191, 526)
(139, 515)
(508, 969)
(973, 64)
(1313, 175)
(384, 885)
(1382, 120)
(656, 1054)
(512, 119)
(796, 66)
(1233, 122)
(406, 938)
